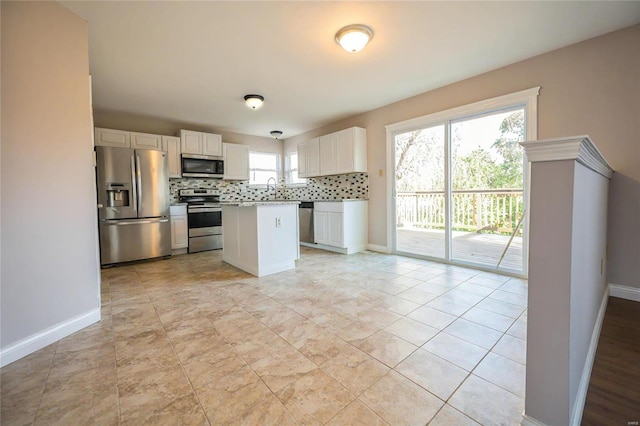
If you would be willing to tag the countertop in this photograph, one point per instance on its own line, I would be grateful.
(258, 203)
(340, 201)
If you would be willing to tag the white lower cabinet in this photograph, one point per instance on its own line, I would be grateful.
(341, 225)
(179, 227)
(336, 229)
(320, 226)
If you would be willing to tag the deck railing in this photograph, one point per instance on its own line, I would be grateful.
(488, 210)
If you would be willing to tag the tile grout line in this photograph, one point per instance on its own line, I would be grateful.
(115, 356)
(468, 373)
(44, 386)
(173, 349)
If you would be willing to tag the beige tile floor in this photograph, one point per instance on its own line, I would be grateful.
(367, 339)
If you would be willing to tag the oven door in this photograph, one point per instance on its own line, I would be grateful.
(204, 221)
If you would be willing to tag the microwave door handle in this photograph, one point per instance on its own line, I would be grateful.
(133, 183)
(139, 172)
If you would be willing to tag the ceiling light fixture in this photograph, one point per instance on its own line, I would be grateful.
(276, 134)
(254, 101)
(353, 38)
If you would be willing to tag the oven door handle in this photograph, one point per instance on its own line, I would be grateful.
(204, 209)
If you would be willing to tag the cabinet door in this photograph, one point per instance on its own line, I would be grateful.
(179, 232)
(302, 160)
(344, 151)
(321, 227)
(211, 144)
(236, 161)
(313, 157)
(328, 154)
(335, 225)
(359, 149)
(190, 142)
(146, 141)
(110, 137)
(171, 145)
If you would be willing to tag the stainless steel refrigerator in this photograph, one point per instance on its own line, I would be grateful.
(133, 204)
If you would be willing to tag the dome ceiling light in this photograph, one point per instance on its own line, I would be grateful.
(353, 38)
(254, 101)
(276, 134)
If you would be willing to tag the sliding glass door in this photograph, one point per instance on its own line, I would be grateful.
(420, 192)
(487, 180)
(459, 190)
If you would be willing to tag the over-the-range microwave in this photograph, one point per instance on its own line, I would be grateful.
(204, 166)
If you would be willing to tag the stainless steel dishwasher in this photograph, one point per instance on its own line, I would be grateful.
(305, 217)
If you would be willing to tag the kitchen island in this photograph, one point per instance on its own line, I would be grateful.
(261, 237)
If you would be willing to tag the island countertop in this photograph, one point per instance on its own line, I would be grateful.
(258, 203)
(343, 200)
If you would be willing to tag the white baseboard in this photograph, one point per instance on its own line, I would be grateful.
(378, 248)
(53, 334)
(260, 271)
(624, 292)
(530, 421)
(583, 386)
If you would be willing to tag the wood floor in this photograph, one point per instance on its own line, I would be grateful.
(613, 397)
(482, 249)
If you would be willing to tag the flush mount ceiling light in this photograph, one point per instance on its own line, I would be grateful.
(276, 134)
(353, 38)
(254, 101)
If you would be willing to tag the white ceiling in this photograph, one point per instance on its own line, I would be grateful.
(194, 61)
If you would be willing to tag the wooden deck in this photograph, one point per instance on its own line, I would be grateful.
(482, 249)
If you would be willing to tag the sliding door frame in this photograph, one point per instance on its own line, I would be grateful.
(525, 98)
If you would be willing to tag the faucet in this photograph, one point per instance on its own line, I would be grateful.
(275, 187)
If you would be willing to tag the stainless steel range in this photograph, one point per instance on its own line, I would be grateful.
(204, 218)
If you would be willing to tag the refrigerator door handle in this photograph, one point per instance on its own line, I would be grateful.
(133, 183)
(139, 179)
(133, 222)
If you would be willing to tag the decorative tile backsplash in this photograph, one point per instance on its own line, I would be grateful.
(339, 187)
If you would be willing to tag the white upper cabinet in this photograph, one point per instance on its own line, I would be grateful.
(211, 144)
(309, 158)
(145, 141)
(171, 145)
(328, 154)
(200, 143)
(313, 157)
(190, 142)
(236, 161)
(111, 137)
(351, 150)
(336, 153)
(302, 159)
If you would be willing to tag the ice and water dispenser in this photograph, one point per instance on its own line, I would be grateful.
(118, 195)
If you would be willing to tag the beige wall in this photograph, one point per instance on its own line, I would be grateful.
(139, 123)
(590, 88)
(50, 269)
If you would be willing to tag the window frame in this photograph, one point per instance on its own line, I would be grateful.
(527, 98)
(288, 171)
(277, 169)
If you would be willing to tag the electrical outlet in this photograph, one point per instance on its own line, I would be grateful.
(278, 222)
